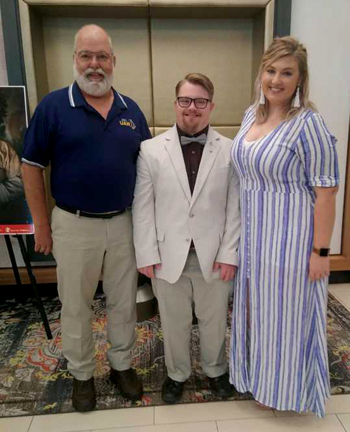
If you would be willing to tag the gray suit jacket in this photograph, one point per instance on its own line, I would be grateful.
(166, 217)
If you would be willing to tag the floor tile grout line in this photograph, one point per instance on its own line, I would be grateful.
(126, 426)
(132, 426)
(30, 424)
(193, 422)
(345, 429)
(145, 425)
(186, 421)
(99, 428)
(215, 420)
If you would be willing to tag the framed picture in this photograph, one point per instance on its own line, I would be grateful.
(15, 216)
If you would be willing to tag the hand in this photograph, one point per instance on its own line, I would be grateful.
(319, 267)
(228, 271)
(43, 239)
(149, 270)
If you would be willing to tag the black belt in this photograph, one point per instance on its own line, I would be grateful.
(91, 215)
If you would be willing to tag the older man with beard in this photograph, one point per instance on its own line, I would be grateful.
(91, 135)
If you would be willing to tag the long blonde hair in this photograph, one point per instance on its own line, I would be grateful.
(281, 47)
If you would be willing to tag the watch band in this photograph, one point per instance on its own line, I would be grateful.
(323, 252)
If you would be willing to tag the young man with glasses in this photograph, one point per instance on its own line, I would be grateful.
(91, 136)
(186, 232)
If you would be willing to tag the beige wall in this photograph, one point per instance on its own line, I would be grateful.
(221, 49)
(131, 45)
(324, 28)
(150, 61)
(154, 53)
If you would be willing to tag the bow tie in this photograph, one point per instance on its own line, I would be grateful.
(201, 139)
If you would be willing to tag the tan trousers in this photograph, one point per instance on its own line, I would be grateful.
(83, 247)
(175, 306)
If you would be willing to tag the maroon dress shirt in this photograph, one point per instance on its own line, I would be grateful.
(192, 154)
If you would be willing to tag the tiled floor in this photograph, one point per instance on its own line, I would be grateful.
(207, 417)
(342, 293)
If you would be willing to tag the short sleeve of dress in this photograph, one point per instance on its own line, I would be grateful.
(318, 154)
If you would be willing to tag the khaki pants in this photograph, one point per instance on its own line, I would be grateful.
(175, 306)
(83, 247)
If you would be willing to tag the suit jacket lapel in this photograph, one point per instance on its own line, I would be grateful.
(211, 150)
(173, 147)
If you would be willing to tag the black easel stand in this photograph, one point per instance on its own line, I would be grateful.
(31, 278)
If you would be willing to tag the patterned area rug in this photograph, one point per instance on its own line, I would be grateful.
(34, 378)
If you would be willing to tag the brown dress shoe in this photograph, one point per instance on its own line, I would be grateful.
(84, 395)
(127, 383)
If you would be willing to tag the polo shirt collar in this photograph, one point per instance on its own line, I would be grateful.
(77, 99)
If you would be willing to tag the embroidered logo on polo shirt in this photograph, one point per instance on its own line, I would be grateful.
(125, 122)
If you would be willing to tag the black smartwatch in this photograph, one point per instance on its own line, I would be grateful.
(323, 252)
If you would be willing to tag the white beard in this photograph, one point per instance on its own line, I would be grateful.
(93, 88)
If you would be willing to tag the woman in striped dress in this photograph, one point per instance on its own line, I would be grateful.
(287, 163)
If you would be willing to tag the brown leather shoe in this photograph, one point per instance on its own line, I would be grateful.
(84, 395)
(127, 383)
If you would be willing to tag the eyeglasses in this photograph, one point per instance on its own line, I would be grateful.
(102, 57)
(185, 102)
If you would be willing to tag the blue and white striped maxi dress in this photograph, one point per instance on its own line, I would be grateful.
(281, 357)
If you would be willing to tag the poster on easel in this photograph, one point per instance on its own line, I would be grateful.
(15, 216)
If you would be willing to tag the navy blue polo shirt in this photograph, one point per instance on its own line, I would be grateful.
(93, 160)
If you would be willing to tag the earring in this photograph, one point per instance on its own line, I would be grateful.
(262, 97)
(296, 100)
